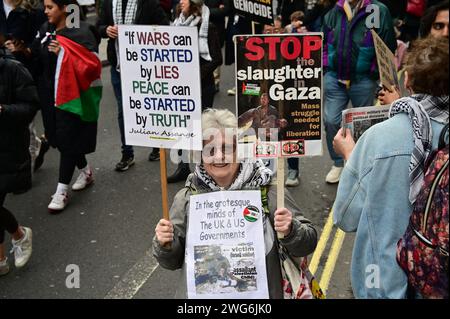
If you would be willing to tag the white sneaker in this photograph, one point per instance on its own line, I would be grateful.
(292, 179)
(83, 181)
(334, 175)
(58, 203)
(4, 267)
(232, 91)
(22, 248)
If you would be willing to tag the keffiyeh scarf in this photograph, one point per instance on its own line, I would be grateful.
(252, 175)
(130, 12)
(193, 21)
(130, 15)
(421, 109)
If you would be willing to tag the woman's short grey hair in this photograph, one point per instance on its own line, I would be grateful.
(218, 119)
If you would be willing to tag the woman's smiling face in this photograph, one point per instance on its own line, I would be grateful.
(219, 157)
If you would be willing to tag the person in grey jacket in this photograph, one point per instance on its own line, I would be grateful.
(219, 171)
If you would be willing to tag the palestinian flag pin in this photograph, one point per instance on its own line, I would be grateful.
(251, 214)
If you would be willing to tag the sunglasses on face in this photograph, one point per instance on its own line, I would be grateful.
(224, 149)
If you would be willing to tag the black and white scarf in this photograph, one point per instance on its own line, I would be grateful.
(252, 175)
(130, 16)
(130, 12)
(193, 21)
(421, 109)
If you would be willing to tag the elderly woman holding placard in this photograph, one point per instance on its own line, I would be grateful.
(219, 171)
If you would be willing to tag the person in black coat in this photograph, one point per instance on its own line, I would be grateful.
(72, 136)
(18, 105)
(207, 65)
(210, 58)
(219, 9)
(148, 12)
(287, 7)
(18, 29)
(313, 20)
(17, 24)
(34, 17)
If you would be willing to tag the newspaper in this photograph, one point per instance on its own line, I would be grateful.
(358, 120)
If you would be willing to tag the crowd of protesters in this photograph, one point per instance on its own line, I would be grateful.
(383, 164)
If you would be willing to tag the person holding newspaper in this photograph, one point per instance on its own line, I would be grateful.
(384, 171)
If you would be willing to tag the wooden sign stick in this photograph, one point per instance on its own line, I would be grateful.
(164, 197)
(280, 187)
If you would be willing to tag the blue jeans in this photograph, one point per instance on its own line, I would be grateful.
(127, 150)
(337, 97)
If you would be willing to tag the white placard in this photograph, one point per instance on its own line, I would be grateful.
(225, 251)
(160, 74)
(86, 2)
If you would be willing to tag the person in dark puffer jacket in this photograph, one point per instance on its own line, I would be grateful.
(18, 105)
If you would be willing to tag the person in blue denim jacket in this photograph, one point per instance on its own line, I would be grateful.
(384, 172)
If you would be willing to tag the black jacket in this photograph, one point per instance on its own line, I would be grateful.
(397, 8)
(18, 25)
(19, 100)
(287, 7)
(207, 67)
(217, 15)
(64, 130)
(149, 12)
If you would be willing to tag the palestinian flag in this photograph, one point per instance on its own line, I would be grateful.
(78, 88)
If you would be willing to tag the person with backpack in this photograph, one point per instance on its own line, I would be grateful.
(422, 252)
(385, 172)
(218, 171)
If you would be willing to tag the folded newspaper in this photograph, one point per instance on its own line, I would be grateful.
(358, 120)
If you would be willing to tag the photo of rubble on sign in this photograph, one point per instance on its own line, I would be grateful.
(224, 269)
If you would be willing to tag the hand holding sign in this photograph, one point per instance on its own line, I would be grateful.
(283, 221)
(164, 232)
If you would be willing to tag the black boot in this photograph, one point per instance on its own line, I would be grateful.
(154, 155)
(180, 175)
